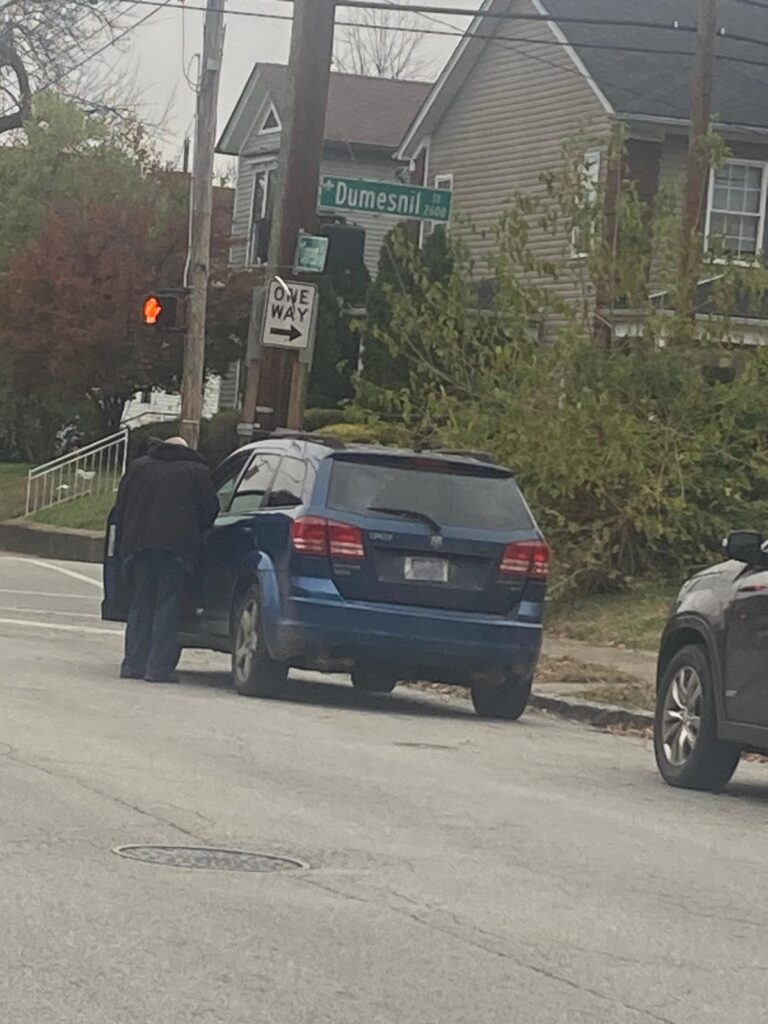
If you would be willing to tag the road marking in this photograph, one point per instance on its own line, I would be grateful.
(48, 611)
(57, 568)
(44, 593)
(60, 627)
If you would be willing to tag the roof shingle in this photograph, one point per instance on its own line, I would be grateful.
(366, 111)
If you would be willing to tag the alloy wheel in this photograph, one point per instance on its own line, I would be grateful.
(681, 716)
(247, 640)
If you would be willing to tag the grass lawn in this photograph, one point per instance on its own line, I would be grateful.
(634, 618)
(13, 489)
(81, 514)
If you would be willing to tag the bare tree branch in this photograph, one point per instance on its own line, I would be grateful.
(384, 44)
(43, 43)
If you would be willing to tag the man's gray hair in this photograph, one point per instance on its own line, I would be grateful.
(177, 440)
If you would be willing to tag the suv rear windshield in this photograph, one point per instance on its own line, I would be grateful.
(451, 494)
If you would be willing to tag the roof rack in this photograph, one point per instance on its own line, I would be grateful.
(467, 453)
(328, 441)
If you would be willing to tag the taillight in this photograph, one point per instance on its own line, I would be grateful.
(345, 541)
(526, 558)
(312, 535)
(309, 535)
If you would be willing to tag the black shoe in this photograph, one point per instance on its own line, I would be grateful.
(129, 673)
(169, 677)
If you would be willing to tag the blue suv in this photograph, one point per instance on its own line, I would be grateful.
(389, 564)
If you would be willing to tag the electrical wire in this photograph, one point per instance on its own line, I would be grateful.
(457, 33)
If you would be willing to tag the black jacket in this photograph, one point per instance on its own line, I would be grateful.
(166, 501)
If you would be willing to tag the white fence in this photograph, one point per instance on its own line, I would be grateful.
(95, 469)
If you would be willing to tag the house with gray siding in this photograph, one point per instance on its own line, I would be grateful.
(515, 90)
(365, 123)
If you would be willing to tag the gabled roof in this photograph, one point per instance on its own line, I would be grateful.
(361, 110)
(642, 82)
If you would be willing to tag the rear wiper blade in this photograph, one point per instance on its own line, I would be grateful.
(407, 513)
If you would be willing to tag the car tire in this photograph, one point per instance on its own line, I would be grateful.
(688, 752)
(255, 673)
(506, 701)
(373, 680)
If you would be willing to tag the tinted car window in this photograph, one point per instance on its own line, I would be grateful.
(451, 495)
(226, 476)
(256, 482)
(288, 486)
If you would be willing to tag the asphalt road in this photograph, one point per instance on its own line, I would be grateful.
(461, 872)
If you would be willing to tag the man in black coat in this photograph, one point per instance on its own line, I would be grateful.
(165, 504)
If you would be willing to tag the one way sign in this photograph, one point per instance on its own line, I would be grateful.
(289, 317)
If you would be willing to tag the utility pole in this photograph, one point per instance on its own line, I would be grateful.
(277, 382)
(698, 159)
(201, 209)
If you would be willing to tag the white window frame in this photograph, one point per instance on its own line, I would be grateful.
(592, 158)
(259, 167)
(441, 179)
(739, 260)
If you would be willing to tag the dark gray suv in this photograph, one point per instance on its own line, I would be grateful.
(712, 695)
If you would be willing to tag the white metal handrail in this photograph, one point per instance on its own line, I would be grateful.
(96, 468)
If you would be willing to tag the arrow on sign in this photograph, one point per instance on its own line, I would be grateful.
(286, 332)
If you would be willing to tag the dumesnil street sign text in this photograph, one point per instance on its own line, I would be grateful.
(408, 202)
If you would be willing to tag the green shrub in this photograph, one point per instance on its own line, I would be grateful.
(315, 419)
(366, 433)
(635, 458)
(219, 437)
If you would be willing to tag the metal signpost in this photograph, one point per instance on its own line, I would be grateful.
(409, 202)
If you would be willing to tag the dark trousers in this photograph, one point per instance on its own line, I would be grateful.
(158, 580)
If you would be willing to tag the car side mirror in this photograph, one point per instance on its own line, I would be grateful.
(745, 546)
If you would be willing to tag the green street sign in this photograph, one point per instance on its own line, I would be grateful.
(311, 254)
(406, 202)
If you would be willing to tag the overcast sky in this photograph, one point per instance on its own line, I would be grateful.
(170, 39)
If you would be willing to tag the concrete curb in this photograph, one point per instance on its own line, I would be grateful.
(599, 715)
(55, 542)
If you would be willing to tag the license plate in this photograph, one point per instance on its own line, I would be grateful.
(426, 570)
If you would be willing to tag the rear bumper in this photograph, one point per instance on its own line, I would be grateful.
(437, 643)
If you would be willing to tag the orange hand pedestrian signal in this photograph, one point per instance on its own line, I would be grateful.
(152, 310)
(160, 311)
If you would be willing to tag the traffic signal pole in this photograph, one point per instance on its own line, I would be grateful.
(276, 385)
(201, 211)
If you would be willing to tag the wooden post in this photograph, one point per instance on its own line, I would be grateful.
(201, 209)
(281, 384)
(698, 162)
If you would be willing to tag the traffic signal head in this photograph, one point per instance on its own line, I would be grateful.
(160, 310)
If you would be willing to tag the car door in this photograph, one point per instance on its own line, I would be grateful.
(233, 538)
(746, 659)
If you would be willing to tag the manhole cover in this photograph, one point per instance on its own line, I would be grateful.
(209, 857)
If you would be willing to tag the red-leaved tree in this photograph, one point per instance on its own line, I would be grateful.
(71, 301)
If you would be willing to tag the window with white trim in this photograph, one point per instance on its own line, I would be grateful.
(262, 205)
(736, 208)
(590, 181)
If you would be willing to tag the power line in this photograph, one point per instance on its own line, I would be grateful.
(385, 5)
(457, 33)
